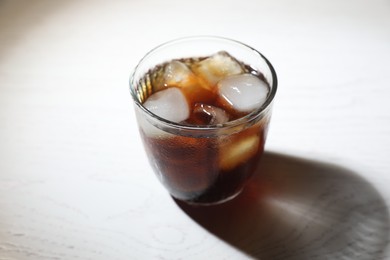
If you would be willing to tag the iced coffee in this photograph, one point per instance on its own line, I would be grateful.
(203, 121)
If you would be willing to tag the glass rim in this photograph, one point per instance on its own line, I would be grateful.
(206, 128)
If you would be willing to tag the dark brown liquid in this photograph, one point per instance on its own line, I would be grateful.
(205, 170)
(189, 167)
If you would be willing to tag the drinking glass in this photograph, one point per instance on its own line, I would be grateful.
(202, 164)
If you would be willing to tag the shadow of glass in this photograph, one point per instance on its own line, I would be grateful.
(300, 209)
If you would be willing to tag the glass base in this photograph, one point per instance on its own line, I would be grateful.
(195, 203)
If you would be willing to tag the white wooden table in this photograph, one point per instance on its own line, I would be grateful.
(74, 179)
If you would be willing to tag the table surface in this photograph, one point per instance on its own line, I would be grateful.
(74, 178)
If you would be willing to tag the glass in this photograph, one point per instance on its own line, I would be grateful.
(203, 164)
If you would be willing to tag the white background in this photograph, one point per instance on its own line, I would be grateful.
(74, 179)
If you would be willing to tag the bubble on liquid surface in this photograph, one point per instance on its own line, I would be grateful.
(217, 67)
(204, 114)
(243, 93)
(169, 104)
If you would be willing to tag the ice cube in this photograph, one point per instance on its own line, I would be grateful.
(217, 67)
(237, 151)
(177, 74)
(242, 93)
(203, 114)
(169, 104)
(147, 128)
